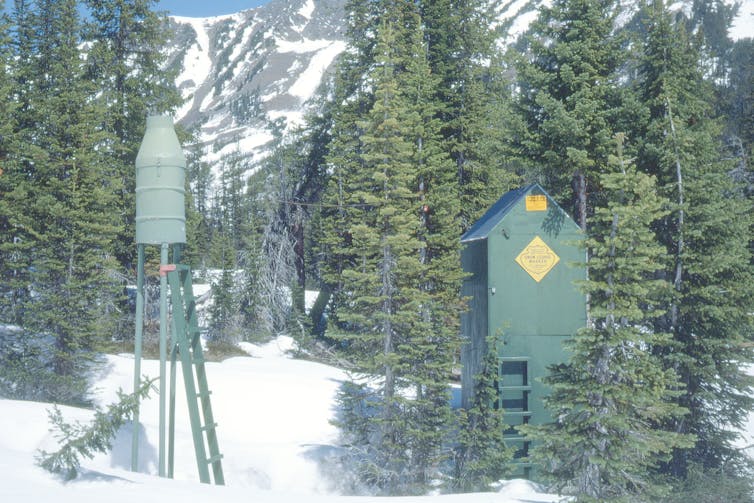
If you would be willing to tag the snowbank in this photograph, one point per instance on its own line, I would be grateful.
(274, 431)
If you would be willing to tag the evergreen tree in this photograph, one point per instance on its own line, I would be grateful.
(383, 286)
(471, 101)
(739, 110)
(13, 188)
(69, 195)
(352, 97)
(569, 102)
(227, 241)
(79, 440)
(481, 456)
(199, 182)
(605, 400)
(391, 239)
(707, 241)
(433, 348)
(250, 262)
(225, 310)
(19, 166)
(126, 65)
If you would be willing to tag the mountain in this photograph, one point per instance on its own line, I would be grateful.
(244, 75)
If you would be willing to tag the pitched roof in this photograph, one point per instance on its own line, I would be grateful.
(488, 221)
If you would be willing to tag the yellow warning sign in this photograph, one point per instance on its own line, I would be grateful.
(537, 259)
(536, 203)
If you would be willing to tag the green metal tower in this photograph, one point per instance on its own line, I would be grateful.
(521, 256)
(161, 220)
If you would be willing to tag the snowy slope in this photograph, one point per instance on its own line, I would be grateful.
(743, 25)
(240, 72)
(274, 431)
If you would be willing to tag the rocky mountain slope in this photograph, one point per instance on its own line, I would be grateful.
(244, 74)
(249, 74)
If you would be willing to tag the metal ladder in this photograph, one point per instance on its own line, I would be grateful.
(186, 345)
(514, 392)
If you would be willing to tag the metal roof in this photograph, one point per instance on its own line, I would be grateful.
(487, 222)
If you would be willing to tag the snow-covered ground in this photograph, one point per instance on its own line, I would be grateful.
(274, 431)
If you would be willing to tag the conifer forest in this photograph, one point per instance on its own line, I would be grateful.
(637, 118)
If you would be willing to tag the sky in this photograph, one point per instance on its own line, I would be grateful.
(207, 8)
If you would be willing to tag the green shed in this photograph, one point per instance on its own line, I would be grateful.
(520, 259)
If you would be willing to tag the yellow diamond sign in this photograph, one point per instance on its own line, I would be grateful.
(537, 259)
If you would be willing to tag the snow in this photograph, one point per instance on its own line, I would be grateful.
(307, 9)
(197, 62)
(274, 430)
(207, 102)
(250, 140)
(311, 78)
(743, 25)
(240, 47)
(292, 118)
(520, 25)
(746, 440)
(302, 46)
(310, 297)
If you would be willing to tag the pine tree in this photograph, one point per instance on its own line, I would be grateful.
(352, 97)
(707, 241)
(607, 398)
(79, 440)
(126, 65)
(199, 182)
(391, 239)
(471, 101)
(481, 456)
(225, 310)
(383, 231)
(19, 166)
(739, 110)
(13, 188)
(69, 195)
(433, 348)
(569, 102)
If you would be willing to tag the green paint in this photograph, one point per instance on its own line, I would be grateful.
(163, 357)
(528, 319)
(188, 347)
(139, 322)
(160, 220)
(160, 182)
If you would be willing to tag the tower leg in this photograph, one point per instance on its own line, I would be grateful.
(139, 328)
(163, 355)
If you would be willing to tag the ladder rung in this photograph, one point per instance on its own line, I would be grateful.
(203, 394)
(515, 388)
(209, 427)
(523, 413)
(214, 459)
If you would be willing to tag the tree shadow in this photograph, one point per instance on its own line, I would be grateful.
(120, 455)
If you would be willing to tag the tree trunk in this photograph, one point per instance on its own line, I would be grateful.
(579, 187)
(678, 277)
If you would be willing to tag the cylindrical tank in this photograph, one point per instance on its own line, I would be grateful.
(160, 179)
